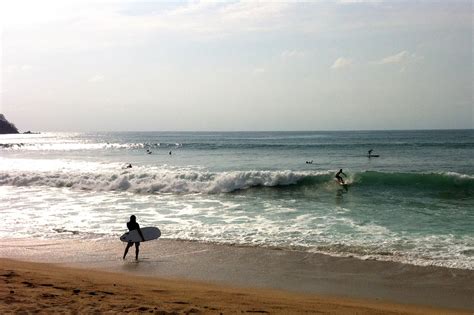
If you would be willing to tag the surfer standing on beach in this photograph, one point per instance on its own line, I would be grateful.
(338, 176)
(133, 225)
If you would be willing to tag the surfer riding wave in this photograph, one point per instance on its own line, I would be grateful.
(339, 178)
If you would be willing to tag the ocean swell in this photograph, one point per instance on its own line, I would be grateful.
(434, 180)
(179, 181)
(76, 145)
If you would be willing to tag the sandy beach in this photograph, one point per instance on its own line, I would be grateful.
(45, 288)
(175, 277)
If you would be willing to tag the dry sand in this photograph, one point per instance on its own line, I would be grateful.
(28, 287)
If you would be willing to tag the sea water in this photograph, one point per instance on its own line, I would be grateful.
(413, 204)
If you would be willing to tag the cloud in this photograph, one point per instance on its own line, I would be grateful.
(254, 10)
(402, 57)
(126, 22)
(341, 62)
(221, 18)
(358, 1)
(25, 68)
(258, 71)
(292, 54)
(53, 26)
(96, 78)
(18, 68)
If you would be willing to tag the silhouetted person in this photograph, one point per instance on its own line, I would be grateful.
(338, 176)
(133, 225)
(170, 152)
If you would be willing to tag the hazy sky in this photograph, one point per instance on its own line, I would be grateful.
(70, 65)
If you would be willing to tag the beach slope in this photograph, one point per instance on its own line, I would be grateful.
(48, 288)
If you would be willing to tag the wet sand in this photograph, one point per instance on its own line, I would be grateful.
(228, 278)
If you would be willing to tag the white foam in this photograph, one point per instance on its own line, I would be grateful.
(68, 213)
(164, 179)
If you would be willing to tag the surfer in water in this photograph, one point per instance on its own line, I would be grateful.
(370, 152)
(133, 225)
(338, 176)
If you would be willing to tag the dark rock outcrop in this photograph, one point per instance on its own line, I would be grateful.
(6, 126)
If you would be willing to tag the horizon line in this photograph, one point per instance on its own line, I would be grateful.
(229, 131)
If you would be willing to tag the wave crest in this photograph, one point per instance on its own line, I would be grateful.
(163, 180)
(77, 146)
(436, 180)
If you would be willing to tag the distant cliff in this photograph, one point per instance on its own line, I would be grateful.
(6, 126)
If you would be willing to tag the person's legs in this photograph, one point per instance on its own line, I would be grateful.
(129, 244)
(137, 249)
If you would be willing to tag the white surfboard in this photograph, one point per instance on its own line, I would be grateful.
(341, 183)
(149, 233)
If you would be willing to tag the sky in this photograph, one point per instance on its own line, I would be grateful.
(81, 65)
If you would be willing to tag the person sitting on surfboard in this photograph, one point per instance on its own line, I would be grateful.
(339, 178)
(370, 152)
(133, 225)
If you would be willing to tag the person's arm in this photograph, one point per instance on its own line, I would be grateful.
(343, 174)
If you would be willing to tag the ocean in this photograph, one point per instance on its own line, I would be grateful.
(412, 204)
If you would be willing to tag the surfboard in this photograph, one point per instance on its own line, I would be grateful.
(149, 233)
(373, 155)
(340, 183)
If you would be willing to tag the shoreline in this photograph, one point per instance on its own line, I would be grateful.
(36, 287)
(251, 268)
(304, 249)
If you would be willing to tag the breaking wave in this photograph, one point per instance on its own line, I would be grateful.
(183, 180)
(157, 180)
(76, 146)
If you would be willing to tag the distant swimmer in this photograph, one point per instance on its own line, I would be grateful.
(133, 225)
(370, 155)
(339, 178)
(129, 165)
(170, 153)
(309, 162)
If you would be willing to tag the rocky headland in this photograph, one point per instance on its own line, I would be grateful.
(6, 126)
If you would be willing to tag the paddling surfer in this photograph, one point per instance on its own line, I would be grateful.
(133, 225)
(338, 176)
